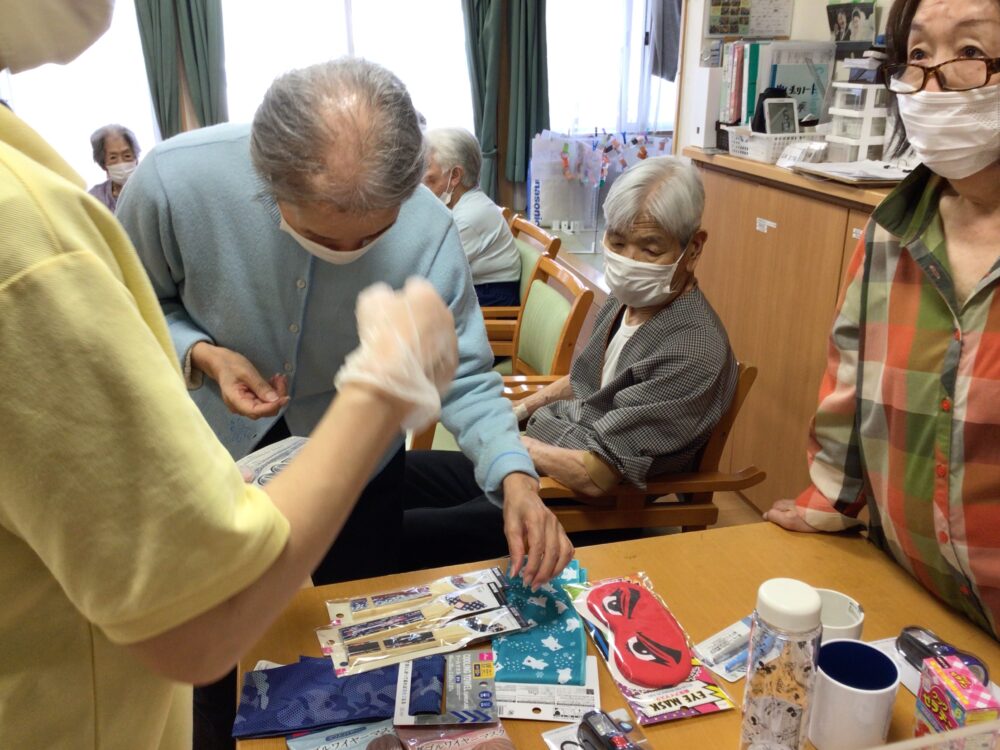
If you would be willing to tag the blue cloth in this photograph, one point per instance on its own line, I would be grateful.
(554, 650)
(309, 695)
(206, 229)
(499, 294)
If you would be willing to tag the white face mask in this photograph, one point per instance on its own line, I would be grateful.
(336, 257)
(638, 284)
(49, 31)
(955, 133)
(120, 172)
(448, 190)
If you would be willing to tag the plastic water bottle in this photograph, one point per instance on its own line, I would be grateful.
(781, 668)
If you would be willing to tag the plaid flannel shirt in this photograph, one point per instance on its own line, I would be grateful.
(909, 408)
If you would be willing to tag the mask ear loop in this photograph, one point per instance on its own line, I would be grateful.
(448, 190)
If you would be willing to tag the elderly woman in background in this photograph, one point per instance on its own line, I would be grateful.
(909, 411)
(642, 397)
(453, 163)
(116, 151)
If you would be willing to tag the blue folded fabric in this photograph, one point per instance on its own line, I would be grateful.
(554, 650)
(308, 695)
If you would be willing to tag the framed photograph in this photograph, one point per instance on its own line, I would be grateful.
(851, 22)
(781, 116)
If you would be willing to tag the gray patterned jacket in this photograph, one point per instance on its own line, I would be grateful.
(675, 379)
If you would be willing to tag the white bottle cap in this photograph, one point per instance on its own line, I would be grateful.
(789, 604)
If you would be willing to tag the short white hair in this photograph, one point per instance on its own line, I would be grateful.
(456, 147)
(342, 132)
(663, 188)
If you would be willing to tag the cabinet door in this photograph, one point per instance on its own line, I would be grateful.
(771, 269)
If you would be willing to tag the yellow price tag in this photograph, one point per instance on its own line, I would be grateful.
(483, 670)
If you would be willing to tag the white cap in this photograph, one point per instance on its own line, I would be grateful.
(789, 604)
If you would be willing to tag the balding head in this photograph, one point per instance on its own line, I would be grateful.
(342, 133)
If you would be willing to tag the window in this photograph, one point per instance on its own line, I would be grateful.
(262, 43)
(599, 69)
(265, 39)
(106, 84)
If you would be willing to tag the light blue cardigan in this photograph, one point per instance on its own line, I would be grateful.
(206, 229)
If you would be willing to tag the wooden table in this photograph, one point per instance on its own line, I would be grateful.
(709, 579)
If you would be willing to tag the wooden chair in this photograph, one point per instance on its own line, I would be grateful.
(532, 243)
(545, 334)
(628, 507)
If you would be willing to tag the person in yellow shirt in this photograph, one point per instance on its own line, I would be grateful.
(134, 560)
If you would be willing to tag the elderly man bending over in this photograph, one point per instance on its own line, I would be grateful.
(649, 387)
(259, 239)
(454, 160)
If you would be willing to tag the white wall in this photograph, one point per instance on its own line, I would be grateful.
(809, 22)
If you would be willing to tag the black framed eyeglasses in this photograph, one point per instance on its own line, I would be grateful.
(960, 74)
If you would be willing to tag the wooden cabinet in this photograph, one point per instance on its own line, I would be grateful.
(772, 269)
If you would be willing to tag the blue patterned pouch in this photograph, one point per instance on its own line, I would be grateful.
(554, 650)
(309, 695)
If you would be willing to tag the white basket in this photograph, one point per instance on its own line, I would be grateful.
(763, 147)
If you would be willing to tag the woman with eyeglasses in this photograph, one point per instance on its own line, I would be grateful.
(908, 424)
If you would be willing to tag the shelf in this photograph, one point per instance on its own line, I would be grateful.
(845, 195)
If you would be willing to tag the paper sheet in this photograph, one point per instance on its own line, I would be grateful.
(856, 171)
(566, 703)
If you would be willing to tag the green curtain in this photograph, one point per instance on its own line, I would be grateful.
(529, 83)
(158, 32)
(483, 20)
(188, 30)
(203, 51)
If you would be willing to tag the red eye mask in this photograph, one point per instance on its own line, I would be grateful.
(649, 645)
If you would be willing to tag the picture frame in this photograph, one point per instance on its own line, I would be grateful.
(781, 116)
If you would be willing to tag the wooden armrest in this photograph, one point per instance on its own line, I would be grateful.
(500, 330)
(516, 387)
(424, 440)
(551, 489)
(712, 481)
(500, 312)
(709, 481)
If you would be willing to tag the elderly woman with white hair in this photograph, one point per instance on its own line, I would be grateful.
(649, 387)
(454, 160)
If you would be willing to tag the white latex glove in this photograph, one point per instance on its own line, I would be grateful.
(408, 348)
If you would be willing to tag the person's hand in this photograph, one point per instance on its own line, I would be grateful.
(408, 351)
(243, 388)
(784, 514)
(532, 529)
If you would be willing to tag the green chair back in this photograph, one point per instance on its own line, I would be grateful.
(545, 313)
(529, 259)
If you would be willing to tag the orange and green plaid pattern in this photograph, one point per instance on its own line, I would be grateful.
(908, 421)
